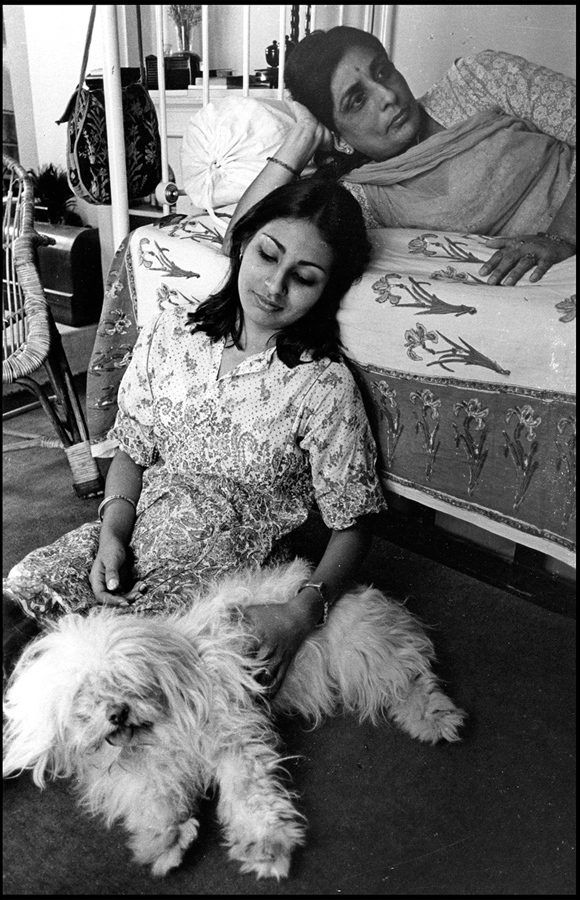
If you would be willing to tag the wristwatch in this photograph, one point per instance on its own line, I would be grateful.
(319, 586)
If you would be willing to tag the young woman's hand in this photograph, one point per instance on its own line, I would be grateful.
(111, 578)
(280, 630)
(517, 255)
(321, 137)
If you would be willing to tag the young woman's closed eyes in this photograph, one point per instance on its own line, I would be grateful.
(270, 256)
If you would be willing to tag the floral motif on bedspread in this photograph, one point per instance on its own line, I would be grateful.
(506, 453)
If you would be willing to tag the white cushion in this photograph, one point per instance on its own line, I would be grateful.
(226, 146)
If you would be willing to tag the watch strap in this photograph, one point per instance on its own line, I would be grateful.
(319, 586)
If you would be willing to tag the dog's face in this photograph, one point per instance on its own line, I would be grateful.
(130, 680)
(104, 709)
(99, 680)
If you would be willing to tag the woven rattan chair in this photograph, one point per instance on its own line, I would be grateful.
(31, 341)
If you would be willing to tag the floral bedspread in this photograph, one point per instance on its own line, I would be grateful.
(470, 389)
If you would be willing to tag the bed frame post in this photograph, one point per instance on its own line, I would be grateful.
(114, 119)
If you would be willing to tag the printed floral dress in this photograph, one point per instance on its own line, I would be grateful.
(233, 465)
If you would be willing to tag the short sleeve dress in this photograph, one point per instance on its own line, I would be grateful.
(234, 464)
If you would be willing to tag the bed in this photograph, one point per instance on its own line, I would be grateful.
(470, 389)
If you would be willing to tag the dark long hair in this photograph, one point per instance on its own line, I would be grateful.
(308, 74)
(338, 217)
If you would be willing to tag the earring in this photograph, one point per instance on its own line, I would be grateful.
(342, 146)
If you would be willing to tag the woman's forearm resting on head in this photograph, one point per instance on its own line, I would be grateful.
(298, 148)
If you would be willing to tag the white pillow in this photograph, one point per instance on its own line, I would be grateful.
(225, 147)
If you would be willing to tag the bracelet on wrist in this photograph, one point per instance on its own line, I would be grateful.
(284, 166)
(109, 499)
(319, 585)
(558, 239)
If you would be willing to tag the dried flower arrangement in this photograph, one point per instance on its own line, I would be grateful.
(185, 17)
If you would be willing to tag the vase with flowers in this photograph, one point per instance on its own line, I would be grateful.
(186, 18)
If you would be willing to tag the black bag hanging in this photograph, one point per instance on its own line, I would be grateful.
(87, 151)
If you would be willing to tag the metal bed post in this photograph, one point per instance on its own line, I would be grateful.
(313, 17)
(386, 33)
(246, 52)
(205, 53)
(369, 17)
(160, 37)
(115, 130)
(282, 52)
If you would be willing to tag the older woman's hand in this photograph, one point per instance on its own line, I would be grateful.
(517, 255)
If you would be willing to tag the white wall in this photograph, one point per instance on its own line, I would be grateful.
(49, 41)
(428, 38)
(45, 46)
(44, 49)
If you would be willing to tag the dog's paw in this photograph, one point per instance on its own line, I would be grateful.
(266, 858)
(444, 725)
(268, 851)
(441, 719)
(427, 714)
(186, 833)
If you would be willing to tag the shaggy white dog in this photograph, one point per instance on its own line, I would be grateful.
(150, 713)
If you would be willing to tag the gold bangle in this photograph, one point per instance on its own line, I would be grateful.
(284, 165)
(108, 499)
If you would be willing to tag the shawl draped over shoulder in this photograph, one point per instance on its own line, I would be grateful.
(492, 173)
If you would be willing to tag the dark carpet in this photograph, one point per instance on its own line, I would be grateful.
(494, 814)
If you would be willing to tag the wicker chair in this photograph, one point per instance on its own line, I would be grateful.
(31, 341)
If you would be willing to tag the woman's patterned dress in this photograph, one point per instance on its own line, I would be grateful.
(233, 465)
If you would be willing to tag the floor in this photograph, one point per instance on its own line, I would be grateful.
(491, 815)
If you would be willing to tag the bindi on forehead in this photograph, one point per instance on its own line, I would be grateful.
(355, 68)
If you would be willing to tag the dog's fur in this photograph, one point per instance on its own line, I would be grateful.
(151, 713)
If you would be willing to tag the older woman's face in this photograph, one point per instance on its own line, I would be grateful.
(374, 110)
